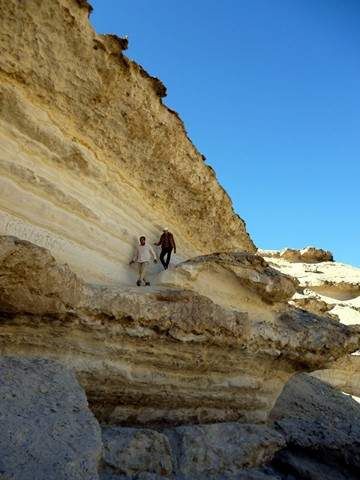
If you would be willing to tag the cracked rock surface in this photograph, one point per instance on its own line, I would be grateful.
(47, 430)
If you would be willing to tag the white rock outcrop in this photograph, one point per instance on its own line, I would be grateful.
(324, 286)
(332, 289)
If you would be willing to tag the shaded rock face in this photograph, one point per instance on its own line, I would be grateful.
(47, 430)
(321, 427)
(162, 355)
(86, 138)
(223, 449)
(132, 451)
(193, 452)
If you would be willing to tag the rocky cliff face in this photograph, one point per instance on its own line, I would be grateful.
(90, 158)
(182, 376)
(167, 354)
(170, 355)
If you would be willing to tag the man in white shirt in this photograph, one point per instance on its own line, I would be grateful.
(143, 254)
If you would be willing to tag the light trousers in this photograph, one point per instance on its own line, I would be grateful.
(142, 266)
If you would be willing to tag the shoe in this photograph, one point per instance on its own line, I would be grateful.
(138, 283)
(147, 284)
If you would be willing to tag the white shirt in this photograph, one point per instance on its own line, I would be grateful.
(143, 253)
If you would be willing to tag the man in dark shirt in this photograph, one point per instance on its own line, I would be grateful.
(167, 244)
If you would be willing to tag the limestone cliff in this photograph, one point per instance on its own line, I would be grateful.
(183, 375)
(90, 158)
(167, 354)
(159, 357)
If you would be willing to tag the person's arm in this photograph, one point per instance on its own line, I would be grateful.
(135, 257)
(173, 243)
(153, 253)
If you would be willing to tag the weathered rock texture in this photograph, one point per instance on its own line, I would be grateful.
(165, 355)
(192, 452)
(235, 280)
(224, 449)
(344, 374)
(306, 255)
(90, 158)
(130, 451)
(324, 285)
(322, 431)
(47, 430)
(326, 288)
(314, 435)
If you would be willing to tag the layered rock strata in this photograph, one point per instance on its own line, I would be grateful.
(90, 157)
(165, 355)
(49, 432)
(344, 374)
(236, 280)
(331, 289)
(325, 286)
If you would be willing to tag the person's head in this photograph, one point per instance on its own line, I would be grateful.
(165, 230)
(142, 240)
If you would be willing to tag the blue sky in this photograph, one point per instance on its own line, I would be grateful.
(269, 91)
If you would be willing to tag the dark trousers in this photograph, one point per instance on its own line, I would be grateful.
(167, 252)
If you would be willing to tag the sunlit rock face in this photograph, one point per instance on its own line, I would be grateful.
(305, 255)
(237, 280)
(182, 375)
(165, 354)
(90, 158)
(326, 288)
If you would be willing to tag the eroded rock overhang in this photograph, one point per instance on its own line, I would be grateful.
(166, 354)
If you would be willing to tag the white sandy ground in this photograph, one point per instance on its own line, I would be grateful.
(329, 288)
(335, 283)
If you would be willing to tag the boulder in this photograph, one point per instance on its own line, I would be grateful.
(47, 429)
(222, 450)
(321, 427)
(131, 451)
(33, 282)
(216, 451)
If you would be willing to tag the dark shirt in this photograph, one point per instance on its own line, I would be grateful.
(167, 240)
